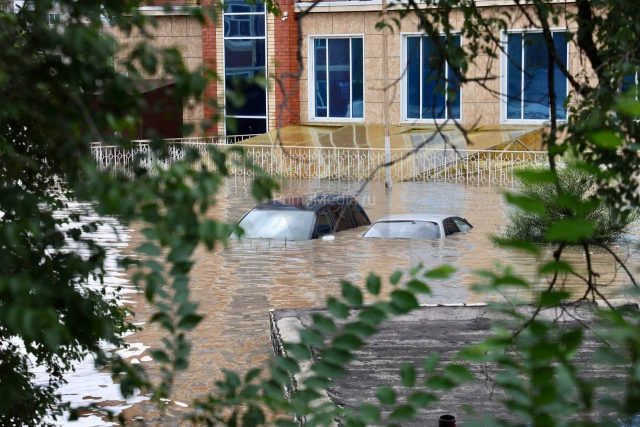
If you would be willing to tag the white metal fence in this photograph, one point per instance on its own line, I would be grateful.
(482, 167)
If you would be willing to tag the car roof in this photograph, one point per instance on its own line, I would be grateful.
(416, 217)
(308, 202)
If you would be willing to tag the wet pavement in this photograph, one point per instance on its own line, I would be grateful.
(236, 286)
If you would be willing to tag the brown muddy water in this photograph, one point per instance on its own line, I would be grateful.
(236, 286)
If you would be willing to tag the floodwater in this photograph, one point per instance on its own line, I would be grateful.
(236, 286)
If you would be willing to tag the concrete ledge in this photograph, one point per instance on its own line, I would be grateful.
(444, 329)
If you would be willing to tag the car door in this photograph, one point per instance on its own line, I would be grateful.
(450, 227)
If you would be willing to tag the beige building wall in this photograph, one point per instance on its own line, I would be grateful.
(481, 102)
(181, 32)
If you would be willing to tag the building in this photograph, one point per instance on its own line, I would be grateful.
(338, 79)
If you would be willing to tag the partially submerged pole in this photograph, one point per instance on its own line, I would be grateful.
(385, 108)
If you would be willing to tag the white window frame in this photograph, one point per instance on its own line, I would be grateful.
(266, 67)
(504, 66)
(311, 95)
(405, 84)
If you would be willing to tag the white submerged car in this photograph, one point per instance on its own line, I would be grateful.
(417, 226)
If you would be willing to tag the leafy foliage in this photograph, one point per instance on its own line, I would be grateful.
(540, 216)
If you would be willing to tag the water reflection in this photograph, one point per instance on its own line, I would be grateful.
(236, 286)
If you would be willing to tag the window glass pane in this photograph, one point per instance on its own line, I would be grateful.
(413, 77)
(339, 77)
(453, 87)
(357, 84)
(244, 60)
(559, 79)
(404, 230)
(433, 79)
(449, 227)
(243, 6)
(357, 213)
(536, 88)
(514, 76)
(275, 224)
(323, 224)
(320, 76)
(244, 25)
(342, 218)
(245, 126)
(463, 226)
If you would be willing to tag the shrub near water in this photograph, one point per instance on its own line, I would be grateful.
(576, 183)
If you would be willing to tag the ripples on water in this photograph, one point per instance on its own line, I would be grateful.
(236, 286)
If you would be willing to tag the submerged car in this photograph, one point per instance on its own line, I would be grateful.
(303, 217)
(417, 226)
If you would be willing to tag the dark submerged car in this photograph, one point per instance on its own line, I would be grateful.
(303, 217)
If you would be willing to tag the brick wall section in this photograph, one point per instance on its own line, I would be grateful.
(209, 62)
(287, 67)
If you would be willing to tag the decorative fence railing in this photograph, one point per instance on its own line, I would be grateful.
(482, 167)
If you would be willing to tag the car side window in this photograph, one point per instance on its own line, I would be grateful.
(342, 217)
(462, 224)
(323, 223)
(450, 227)
(358, 215)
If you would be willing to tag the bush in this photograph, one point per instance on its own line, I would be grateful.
(576, 184)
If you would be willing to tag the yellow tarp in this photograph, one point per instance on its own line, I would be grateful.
(372, 136)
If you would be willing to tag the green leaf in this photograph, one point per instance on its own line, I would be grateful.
(431, 362)
(555, 267)
(351, 294)
(373, 284)
(323, 323)
(372, 316)
(288, 364)
(439, 382)
(422, 399)
(189, 321)
(149, 249)
(418, 287)
(311, 337)
(458, 373)
(403, 300)
(337, 309)
(317, 382)
(395, 277)
(347, 342)
(441, 272)
(337, 356)
(402, 412)
(252, 374)
(536, 176)
(328, 370)
(299, 351)
(606, 139)
(521, 245)
(525, 203)
(629, 106)
(571, 230)
(407, 374)
(386, 395)
(552, 298)
(159, 356)
(370, 413)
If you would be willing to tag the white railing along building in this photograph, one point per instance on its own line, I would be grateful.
(482, 167)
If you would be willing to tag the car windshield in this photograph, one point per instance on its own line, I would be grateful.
(277, 224)
(404, 230)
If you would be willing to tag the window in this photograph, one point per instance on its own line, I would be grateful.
(449, 227)
(358, 214)
(53, 19)
(341, 216)
(630, 83)
(527, 89)
(462, 224)
(323, 223)
(432, 87)
(245, 52)
(338, 78)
